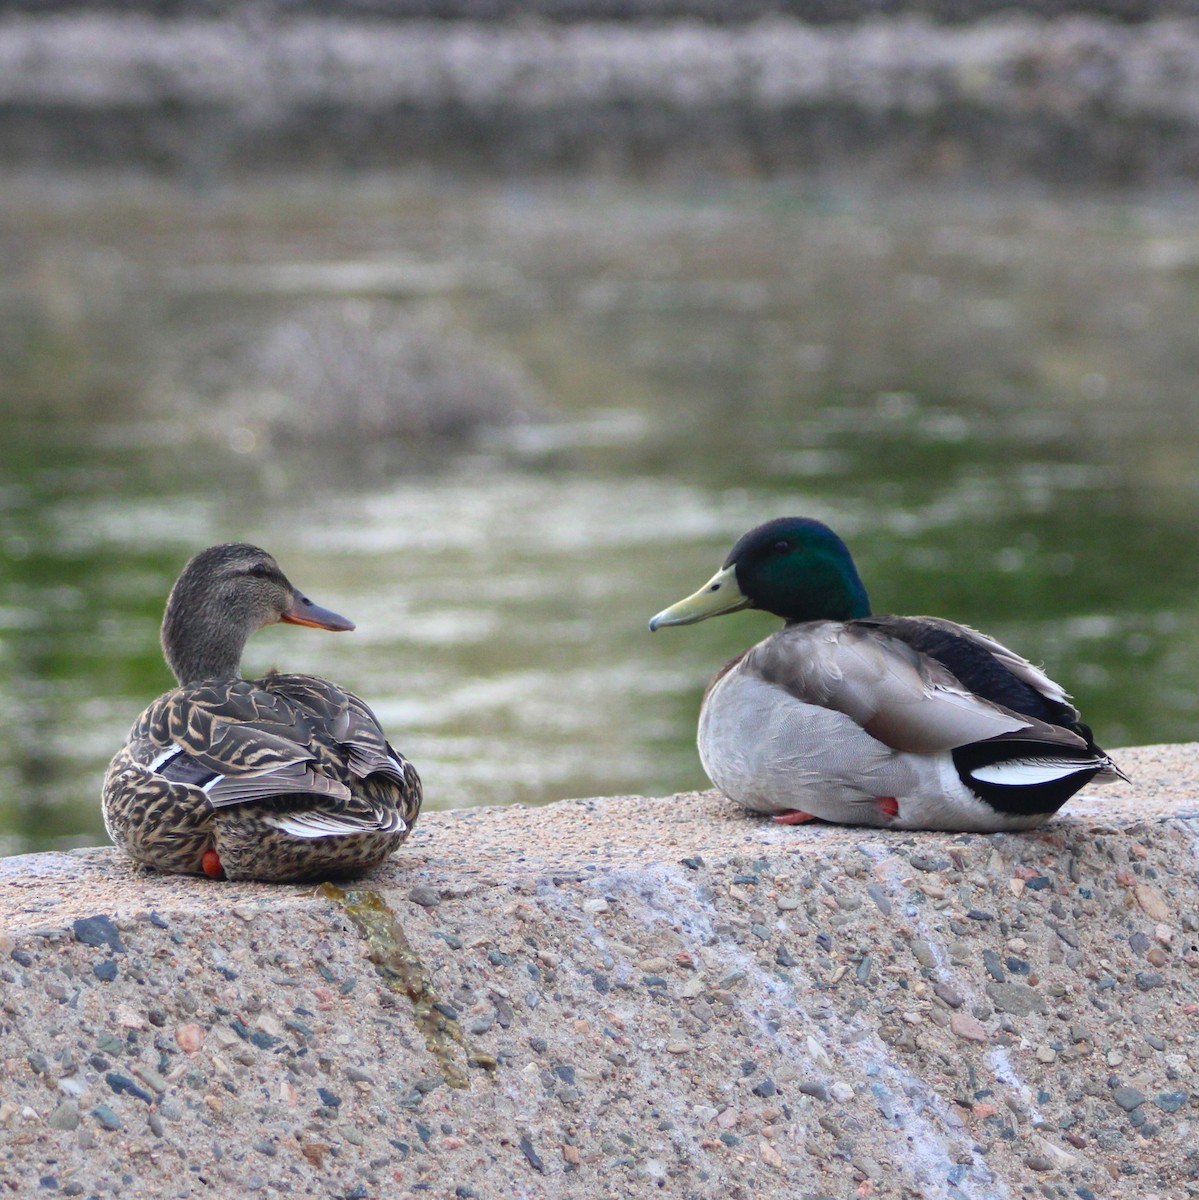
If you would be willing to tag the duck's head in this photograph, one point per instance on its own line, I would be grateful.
(224, 594)
(794, 567)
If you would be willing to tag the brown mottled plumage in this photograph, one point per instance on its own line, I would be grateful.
(285, 778)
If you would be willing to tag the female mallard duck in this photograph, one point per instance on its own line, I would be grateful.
(905, 722)
(284, 778)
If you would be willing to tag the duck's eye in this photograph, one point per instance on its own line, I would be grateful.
(781, 547)
(259, 571)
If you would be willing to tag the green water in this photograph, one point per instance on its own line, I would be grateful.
(991, 398)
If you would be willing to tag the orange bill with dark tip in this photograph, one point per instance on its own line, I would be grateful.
(304, 612)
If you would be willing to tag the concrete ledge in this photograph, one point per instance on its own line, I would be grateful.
(682, 1001)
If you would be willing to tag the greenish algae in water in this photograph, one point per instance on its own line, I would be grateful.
(394, 958)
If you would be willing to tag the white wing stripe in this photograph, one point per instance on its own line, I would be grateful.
(160, 760)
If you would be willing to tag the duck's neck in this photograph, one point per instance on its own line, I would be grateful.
(831, 591)
(200, 642)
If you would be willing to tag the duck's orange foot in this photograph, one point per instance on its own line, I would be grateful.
(887, 805)
(795, 817)
(210, 864)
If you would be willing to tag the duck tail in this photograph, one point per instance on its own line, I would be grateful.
(1022, 774)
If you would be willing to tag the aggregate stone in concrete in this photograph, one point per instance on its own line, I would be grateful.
(626, 997)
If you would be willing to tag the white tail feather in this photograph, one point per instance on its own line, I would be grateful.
(1028, 772)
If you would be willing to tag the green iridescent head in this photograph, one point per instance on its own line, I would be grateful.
(794, 567)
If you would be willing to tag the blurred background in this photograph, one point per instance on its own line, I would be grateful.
(498, 322)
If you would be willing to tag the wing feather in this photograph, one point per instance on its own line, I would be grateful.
(281, 781)
(900, 696)
(242, 741)
(349, 727)
(1015, 663)
(986, 667)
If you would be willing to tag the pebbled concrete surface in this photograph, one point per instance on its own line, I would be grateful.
(682, 1001)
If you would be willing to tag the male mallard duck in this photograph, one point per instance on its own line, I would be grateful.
(283, 778)
(905, 722)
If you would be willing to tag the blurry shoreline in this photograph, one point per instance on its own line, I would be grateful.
(1080, 98)
(565, 12)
